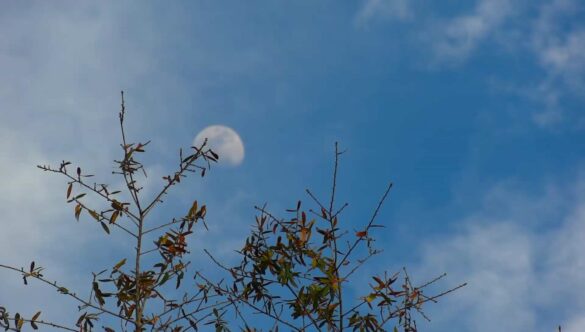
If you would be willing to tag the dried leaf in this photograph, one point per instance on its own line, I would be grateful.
(94, 214)
(69, 189)
(115, 215)
(361, 234)
(36, 316)
(78, 209)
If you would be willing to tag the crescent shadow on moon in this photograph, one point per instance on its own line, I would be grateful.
(224, 141)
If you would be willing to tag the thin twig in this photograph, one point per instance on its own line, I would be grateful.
(60, 289)
(369, 225)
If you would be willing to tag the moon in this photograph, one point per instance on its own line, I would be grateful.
(224, 141)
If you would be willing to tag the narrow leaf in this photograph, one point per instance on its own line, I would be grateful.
(69, 188)
(115, 215)
(193, 210)
(105, 227)
(78, 209)
(94, 215)
(119, 264)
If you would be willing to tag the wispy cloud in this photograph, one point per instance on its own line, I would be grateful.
(57, 67)
(548, 35)
(522, 261)
(453, 40)
(559, 47)
(372, 10)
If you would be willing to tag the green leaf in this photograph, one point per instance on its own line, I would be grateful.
(119, 264)
(165, 278)
(370, 298)
(193, 210)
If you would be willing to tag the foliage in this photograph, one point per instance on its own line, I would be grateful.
(294, 271)
(130, 290)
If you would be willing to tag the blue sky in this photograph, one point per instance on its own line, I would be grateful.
(473, 109)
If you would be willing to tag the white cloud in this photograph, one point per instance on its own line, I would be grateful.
(559, 48)
(521, 256)
(62, 68)
(454, 39)
(549, 34)
(371, 10)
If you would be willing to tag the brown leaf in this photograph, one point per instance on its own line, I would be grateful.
(94, 214)
(36, 316)
(361, 234)
(304, 235)
(115, 215)
(78, 209)
(69, 188)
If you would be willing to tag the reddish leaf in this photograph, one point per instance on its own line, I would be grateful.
(361, 234)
